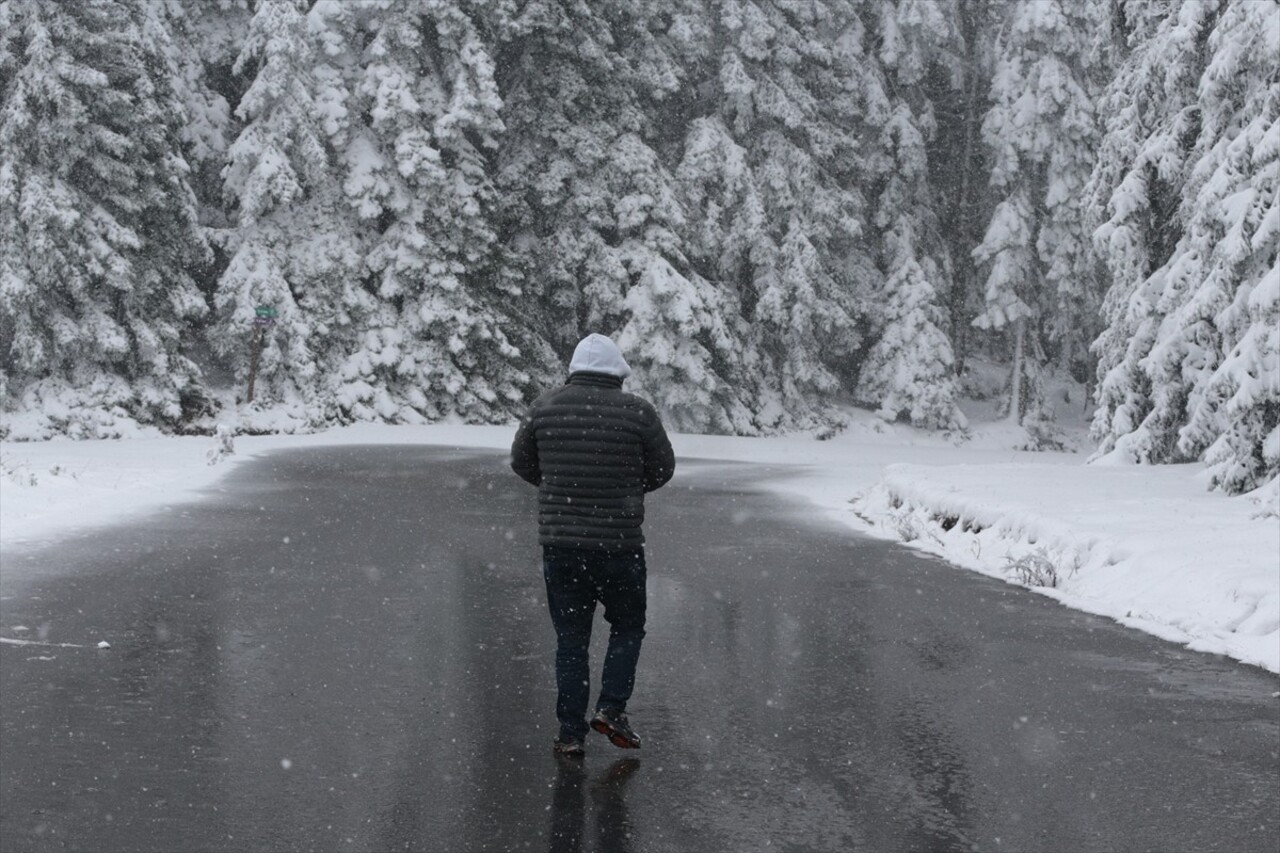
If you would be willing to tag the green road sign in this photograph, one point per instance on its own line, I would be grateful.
(265, 311)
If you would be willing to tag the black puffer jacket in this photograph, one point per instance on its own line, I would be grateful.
(593, 451)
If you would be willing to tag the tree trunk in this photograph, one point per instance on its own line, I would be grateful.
(962, 212)
(1015, 389)
(253, 360)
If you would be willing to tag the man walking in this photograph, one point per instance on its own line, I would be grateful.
(593, 451)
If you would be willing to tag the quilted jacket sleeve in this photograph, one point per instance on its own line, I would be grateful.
(524, 450)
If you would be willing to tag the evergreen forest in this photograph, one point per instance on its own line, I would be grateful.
(777, 208)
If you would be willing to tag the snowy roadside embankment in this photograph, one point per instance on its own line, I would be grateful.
(50, 487)
(1147, 546)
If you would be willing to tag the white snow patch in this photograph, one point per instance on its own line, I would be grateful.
(52, 487)
(1145, 545)
(13, 641)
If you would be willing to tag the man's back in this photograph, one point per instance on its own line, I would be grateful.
(593, 450)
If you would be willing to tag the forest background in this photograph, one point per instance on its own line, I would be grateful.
(776, 207)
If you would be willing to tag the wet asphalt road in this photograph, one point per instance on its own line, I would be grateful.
(348, 649)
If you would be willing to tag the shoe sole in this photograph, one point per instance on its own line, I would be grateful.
(615, 737)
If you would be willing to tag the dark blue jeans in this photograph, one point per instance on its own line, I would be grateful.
(576, 580)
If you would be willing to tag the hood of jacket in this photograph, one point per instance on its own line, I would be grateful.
(597, 354)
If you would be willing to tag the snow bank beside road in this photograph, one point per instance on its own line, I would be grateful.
(1147, 546)
(49, 487)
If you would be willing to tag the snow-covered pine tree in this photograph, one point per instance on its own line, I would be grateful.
(1150, 127)
(1235, 413)
(956, 87)
(910, 370)
(201, 39)
(293, 247)
(569, 106)
(686, 329)
(770, 178)
(98, 223)
(725, 225)
(1040, 131)
(1190, 359)
(589, 210)
(674, 325)
(194, 49)
(424, 119)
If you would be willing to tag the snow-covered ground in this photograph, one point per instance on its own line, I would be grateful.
(1147, 546)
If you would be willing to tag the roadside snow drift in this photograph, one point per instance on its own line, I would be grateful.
(1147, 546)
